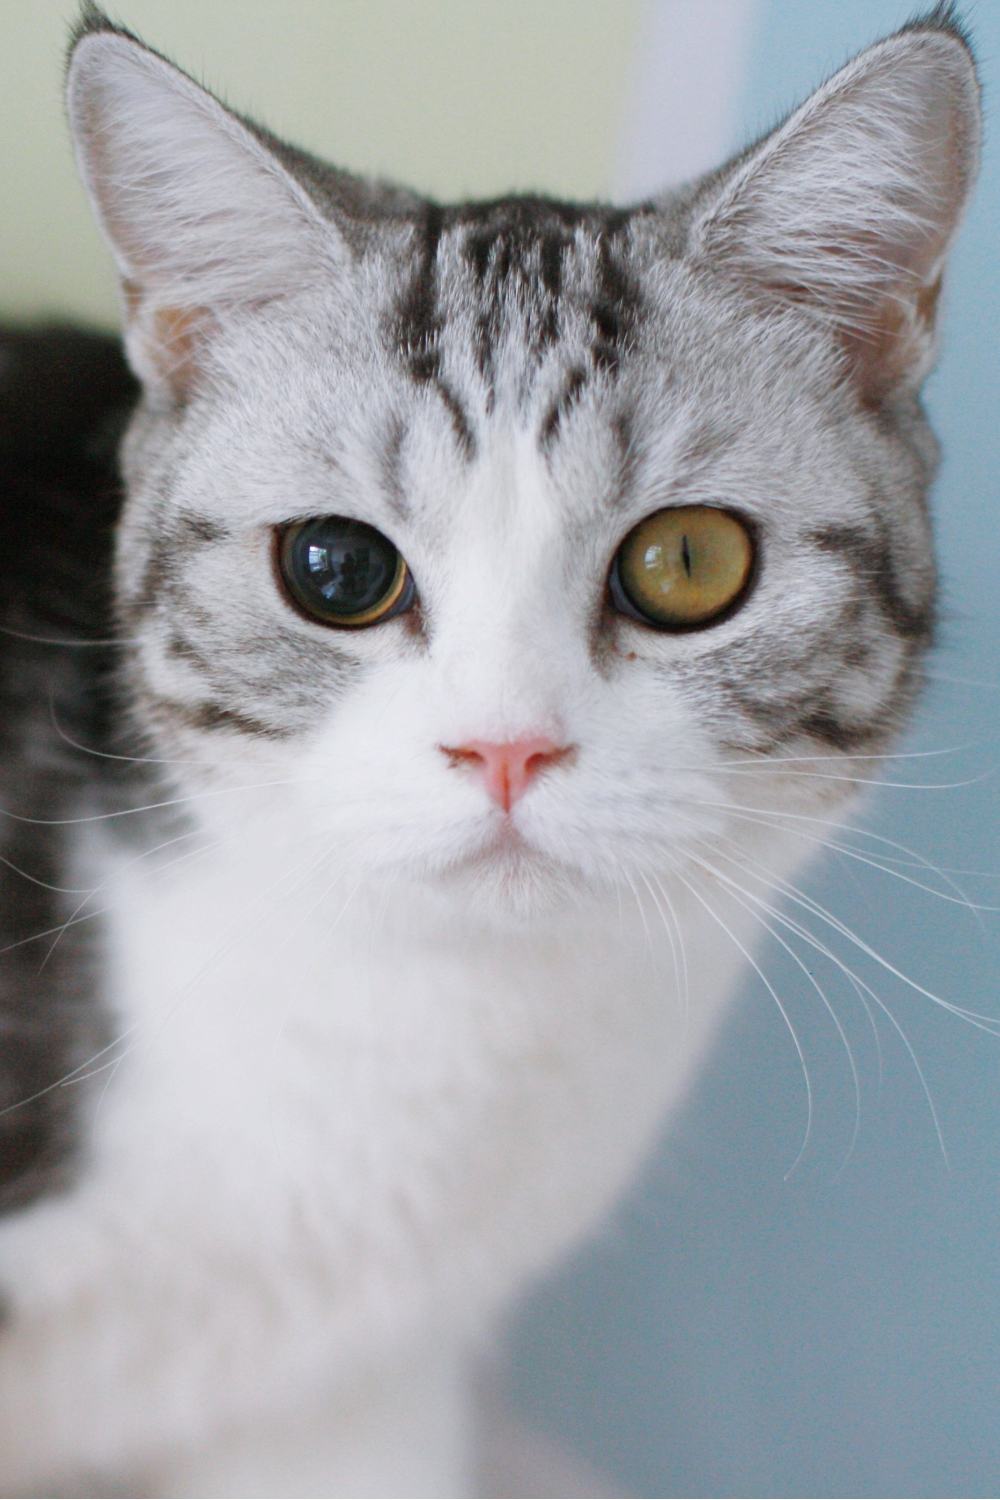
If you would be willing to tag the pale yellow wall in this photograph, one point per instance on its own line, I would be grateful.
(452, 96)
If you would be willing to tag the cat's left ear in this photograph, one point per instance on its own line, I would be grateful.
(848, 208)
(202, 217)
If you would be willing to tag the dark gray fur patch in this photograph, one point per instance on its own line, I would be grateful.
(274, 686)
(781, 720)
(621, 429)
(63, 398)
(418, 327)
(390, 455)
(822, 723)
(212, 716)
(870, 557)
(152, 584)
(195, 530)
(616, 304)
(786, 691)
(180, 647)
(516, 250)
(172, 545)
(573, 387)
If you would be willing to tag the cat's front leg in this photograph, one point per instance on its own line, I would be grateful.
(162, 1396)
(401, 1430)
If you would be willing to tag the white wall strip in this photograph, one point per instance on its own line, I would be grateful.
(683, 109)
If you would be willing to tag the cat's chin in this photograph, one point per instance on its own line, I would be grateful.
(508, 879)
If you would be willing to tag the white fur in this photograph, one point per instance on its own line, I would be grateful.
(335, 1138)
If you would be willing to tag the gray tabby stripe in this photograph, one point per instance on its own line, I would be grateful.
(418, 329)
(870, 557)
(212, 716)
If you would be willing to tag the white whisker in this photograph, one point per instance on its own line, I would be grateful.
(989, 1024)
(900, 786)
(642, 911)
(74, 917)
(838, 756)
(59, 890)
(782, 1010)
(859, 985)
(670, 937)
(137, 760)
(773, 882)
(738, 894)
(863, 856)
(953, 679)
(748, 813)
(47, 640)
(127, 812)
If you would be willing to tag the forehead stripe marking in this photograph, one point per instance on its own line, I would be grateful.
(418, 329)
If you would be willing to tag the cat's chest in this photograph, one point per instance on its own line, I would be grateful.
(296, 1049)
(289, 1023)
(313, 1090)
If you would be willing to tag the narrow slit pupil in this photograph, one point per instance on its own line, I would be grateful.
(686, 554)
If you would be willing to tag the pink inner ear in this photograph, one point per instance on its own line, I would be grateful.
(165, 341)
(901, 331)
(179, 330)
(849, 207)
(885, 338)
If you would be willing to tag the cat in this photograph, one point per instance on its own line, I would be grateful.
(373, 875)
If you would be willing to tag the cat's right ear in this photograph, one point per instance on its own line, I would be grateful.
(202, 218)
(850, 206)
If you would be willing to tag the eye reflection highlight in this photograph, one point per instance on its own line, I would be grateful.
(343, 572)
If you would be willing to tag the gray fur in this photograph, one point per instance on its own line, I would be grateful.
(59, 504)
(583, 318)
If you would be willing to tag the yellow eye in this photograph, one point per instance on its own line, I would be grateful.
(682, 567)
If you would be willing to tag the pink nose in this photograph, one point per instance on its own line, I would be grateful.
(508, 769)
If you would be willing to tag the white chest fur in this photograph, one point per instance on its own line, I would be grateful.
(336, 1124)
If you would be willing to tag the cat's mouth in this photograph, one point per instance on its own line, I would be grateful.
(511, 867)
(496, 851)
(504, 845)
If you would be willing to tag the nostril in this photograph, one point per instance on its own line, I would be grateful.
(508, 767)
(538, 758)
(458, 754)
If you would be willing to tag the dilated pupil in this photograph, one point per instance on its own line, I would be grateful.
(349, 575)
(348, 564)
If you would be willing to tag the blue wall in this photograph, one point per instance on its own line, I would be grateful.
(838, 1332)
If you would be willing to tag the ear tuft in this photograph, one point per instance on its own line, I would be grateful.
(850, 206)
(92, 19)
(201, 217)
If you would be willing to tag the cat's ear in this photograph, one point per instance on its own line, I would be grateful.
(849, 206)
(201, 216)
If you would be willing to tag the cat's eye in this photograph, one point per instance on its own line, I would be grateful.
(342, 572)
(683, 567)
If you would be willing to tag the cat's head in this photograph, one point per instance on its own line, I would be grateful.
(524, 541)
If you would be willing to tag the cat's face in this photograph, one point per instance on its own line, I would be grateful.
(505, 393)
